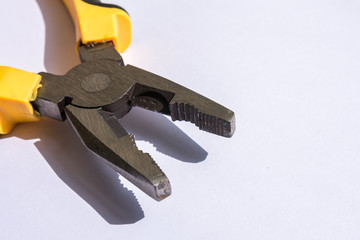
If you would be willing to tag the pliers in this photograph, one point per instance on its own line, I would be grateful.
(99, 91)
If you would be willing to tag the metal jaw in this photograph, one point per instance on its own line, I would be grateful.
(101, 90)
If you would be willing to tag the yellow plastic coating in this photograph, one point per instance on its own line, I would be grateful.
(17, 89)
(100, 24)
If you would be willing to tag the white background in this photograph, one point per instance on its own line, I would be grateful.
(290, 70)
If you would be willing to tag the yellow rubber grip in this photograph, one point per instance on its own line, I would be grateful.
(17, 89)
(95, 23)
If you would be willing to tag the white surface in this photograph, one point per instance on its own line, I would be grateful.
(288, 69)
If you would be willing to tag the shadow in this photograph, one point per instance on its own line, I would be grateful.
(60, 41)
(166, 137)
(91, 179)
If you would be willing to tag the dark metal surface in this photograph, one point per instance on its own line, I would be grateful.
(103, 134)
(95, 51)
(99, 3)
(96, 93)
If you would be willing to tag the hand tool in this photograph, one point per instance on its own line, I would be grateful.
(95, 94)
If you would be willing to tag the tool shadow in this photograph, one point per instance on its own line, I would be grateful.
(60, 41)
(77, 167)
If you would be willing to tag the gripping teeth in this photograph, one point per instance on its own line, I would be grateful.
(206, 122)
(104, 136)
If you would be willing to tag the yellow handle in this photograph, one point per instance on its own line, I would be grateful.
(17, 89)
(95, 23)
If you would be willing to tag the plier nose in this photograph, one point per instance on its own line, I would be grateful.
(97, 93)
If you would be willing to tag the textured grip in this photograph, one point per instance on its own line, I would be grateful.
(97, 22)
(17, 89)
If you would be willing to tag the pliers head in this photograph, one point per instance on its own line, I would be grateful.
(94, 95)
